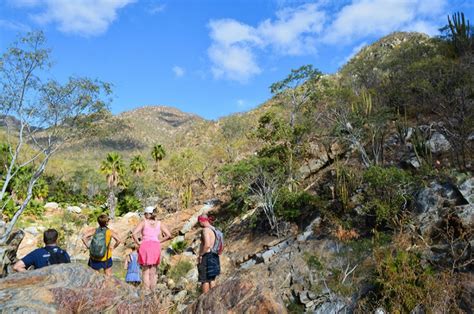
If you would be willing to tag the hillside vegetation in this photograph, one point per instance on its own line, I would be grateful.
(376, 159)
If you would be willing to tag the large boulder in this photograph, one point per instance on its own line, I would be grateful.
(438, 143)
(8, 252)
(73, 288)
(435, 202)
(237, 295)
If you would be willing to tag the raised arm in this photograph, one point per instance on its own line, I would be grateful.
(137, 231)
(117, 239)
(166, 234)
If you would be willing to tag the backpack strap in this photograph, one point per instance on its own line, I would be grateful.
(215, 247)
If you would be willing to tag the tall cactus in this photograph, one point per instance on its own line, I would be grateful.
(461, 33)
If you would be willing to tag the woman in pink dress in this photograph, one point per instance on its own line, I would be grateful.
(152, 233)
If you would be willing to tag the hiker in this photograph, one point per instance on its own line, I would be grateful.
(152, 233)
(133, 268)
(45, 256)
(100, 248)
(208, 259)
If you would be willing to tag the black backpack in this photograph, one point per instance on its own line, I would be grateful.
(56, 255)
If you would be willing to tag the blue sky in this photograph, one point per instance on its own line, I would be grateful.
(210, 57)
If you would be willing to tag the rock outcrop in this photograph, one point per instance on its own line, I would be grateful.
(237, 295)
(73, 288)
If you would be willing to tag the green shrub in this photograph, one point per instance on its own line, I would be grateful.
(128, 203)
(179, 246)
(403, 280)
(389, 191)
(94, 214)
(180, 270)
(313, 261)
(292, 205)
(34, 208)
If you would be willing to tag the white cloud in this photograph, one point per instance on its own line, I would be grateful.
(233, 62)
(293, 32)
(363, 18)
(235, 45)
(157, 8)
(178, 71)
(14, 26)
(83, 17)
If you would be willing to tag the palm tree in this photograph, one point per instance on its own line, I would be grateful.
(114, 171)
(158, 153)
(138, 165)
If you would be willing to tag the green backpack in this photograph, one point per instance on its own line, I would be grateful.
(98, 247)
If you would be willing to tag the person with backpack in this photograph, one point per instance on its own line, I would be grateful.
(50, 254)
(212, 244)
(133, 268)
(100, 248)
(148, 235)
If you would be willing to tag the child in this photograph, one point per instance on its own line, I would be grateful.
(132, 267)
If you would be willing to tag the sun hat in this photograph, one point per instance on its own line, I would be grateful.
(149, 210)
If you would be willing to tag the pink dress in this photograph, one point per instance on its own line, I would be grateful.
(150, 249)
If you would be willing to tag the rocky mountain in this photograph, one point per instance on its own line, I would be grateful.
(132, 132)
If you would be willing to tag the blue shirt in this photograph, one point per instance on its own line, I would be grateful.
(40, 257)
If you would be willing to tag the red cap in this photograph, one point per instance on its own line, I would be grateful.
(203, 218)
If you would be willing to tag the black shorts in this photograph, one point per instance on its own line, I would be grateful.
(98, 265)
(209, 268)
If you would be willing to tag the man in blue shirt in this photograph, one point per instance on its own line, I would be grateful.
(48, 255)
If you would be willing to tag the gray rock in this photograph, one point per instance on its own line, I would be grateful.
(308, 231)
(380, 310)
(267, 255)
(467, 190)
(192, 275)
(51, 205)
(248, 264)
(466, 214)
(131, 215)
(410, 161)
(303, 295)
(438, 143)
(336, 306)
(193, 220)
(32, 230)
(438, 196)
(74, 209)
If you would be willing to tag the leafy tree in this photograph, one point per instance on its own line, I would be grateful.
(138, 165)
(257, 181)
(184, 169)
(296, 90)
(44, 112)
(114, 171)
(158, 153)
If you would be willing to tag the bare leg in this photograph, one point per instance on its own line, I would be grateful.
(153, 279)
(205, 287)
(108, 271)
(146, 277)
(212, 284)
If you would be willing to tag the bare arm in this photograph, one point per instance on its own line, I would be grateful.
(138, 230)
(117, 239)
(127, 260)
(19, 266)
(86, 237)
(165, 233)
(206, 241)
